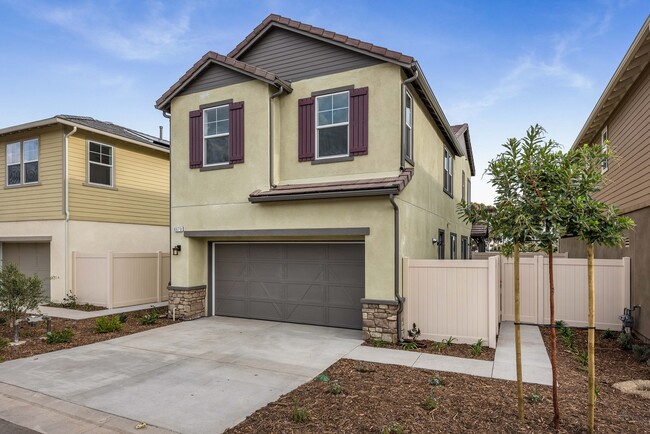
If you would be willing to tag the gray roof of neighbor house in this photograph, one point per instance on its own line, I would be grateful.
(634, 62)
(460, 130)
(95, 125)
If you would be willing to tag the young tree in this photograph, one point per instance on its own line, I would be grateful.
(18, 293)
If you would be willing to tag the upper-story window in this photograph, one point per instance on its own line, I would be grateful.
(216, 129)
(453, 241)
(408, 125)
(22, 162)
(100, 164)
(332, 122)
(469, 192)
(463, 186)
(604, 143)
(448, 172)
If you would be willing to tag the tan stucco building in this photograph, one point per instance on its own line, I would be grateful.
(305, 165)
(76, 184)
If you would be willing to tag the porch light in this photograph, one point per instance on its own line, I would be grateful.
(176, 249)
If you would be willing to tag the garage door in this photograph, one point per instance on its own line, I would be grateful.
(319, 284)
(31, 258)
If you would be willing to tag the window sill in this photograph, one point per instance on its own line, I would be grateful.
(31, 184)
(448, 193)
(410, 161)
(219, 167)
(333, 160)
(105, 187)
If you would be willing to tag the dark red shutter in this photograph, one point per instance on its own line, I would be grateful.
(306, 129)
(359, 121)
(196, 139)
(236, 137)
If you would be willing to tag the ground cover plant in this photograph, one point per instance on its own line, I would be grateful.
(446, 348)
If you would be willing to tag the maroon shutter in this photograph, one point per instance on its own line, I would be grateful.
(306, 129)
(236, 137)
(196, 139)
(359, 121)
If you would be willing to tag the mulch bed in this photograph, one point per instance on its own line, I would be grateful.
(86, 307)
(376, 397)
(431, 347)
(84, 333)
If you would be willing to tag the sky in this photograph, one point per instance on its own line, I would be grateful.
(500, 66)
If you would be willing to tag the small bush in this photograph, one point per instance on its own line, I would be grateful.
(149, 318)
(363, 369)
(3, 320)
(108, 324)
(641, 352)
(448, 342)
(438, 346)
(560, 324)
(409, 346)
(323, 378)
(395, 428)
(435, 381)
(123, 318)
(69, 301)
(477, 347)
(4, 343)
(625, 341)
(430, 403)
(299, 414)
(534, 398)
(608, 334)
(378, 343)
(61, 337)
(335, 389)
(583, 357)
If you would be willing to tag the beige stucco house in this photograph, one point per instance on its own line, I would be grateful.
(621, 120)
(76, 184)
(305, 166)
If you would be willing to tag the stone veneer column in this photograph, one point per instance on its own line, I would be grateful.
(188, 301)
(379, 320)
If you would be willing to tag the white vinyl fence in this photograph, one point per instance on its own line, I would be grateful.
(120, 279)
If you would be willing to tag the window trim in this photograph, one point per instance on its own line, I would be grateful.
(22, 162)
(408, 129)
(88, 162)
(317, 127)
(469, 192)
(453, 245)
(463, 187)
(206, 137)
(441, 244)
(464, 252)
(604, 146)
(448, 186)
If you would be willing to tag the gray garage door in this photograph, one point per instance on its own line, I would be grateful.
(302, 283)
(30, 258)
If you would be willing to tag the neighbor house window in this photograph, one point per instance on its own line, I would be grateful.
(408, 125)
(100, 164)
(441, 244)
(453, 253)
(464, 247)
(448, 172)
(332, 123)
(22, 162)
(604, 143)
(463, 185)
(216, 132)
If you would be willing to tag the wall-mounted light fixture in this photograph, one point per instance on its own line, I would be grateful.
(434, 241)
(176, 250)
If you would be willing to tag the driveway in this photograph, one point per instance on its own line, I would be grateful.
(192, 377)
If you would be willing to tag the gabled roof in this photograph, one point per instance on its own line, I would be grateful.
(274, 20)
(634, 62)
(211, 58)
(96, 126)
(459, 131)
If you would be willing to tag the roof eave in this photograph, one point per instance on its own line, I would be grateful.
(324, 195)
(29, 126)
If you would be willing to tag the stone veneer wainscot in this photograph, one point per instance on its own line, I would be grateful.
(380, 320)
(189, 302)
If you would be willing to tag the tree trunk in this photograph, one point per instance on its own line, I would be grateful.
(556, 405)
(520, 383)
(591, 337)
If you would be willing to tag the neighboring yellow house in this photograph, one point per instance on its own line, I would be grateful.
(305, 166)
(76, 184)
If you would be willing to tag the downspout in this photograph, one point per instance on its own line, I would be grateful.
(271, 149)
(403, 151)
(398, 298)
(168, 115)
(66, 207)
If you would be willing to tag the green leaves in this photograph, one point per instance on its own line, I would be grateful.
(18, 292)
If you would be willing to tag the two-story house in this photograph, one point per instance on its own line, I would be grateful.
(621, 120)
(76, 184)
(305, 166)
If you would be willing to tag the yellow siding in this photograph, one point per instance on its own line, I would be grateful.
(43, 201)
(141, 184)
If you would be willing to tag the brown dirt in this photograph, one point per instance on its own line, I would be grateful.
(84, 333)
(376, 396)
(431, 347)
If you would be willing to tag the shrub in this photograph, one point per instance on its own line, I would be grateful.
(69, 301)
(149, 318)
(641, 352)
(123, 318)
(608, 334)
(477, 347)
(378, 343)
(61, 337)
(534, 398)
(299, 414)
(409, 346)
(19, 293)
(583, 357)
(430, 403)
(395, 428)
(4, 343)
(335, 389)
(108, 324)
(448, 342)
(625, 341)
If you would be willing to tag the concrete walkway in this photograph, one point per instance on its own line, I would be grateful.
(77, 315)
(536, 366)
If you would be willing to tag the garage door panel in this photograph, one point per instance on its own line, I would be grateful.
(266, 251)
(346, 273)
(342, 317)
(306, 314)
(31, 259)
(266, 270)
(305, 272)
(229, 270)
(307, 252)
(343, 252)
(306, 293)
(232, 288)
(231, 307)
(266, 290)
(267, 310)
(343, 295)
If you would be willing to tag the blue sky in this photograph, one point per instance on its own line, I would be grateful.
(498, 65)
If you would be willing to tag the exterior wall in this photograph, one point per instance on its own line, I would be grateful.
(44, 228)
(141, 184)
(42, 201)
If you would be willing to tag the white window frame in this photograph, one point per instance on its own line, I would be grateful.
(112, 165)
(21, 163)
(206, 137)
(453, 246)
(604, 144)
(347, 124)
(408, 127)
(448, 172)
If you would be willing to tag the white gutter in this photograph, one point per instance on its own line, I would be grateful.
(66, 206)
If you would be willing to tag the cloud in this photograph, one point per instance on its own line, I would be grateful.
(94, 77)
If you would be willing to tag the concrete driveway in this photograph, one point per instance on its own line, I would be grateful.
(193, 377)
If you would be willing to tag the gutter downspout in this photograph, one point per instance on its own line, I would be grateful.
(400, 300)
(168, 115)
(271, 149)
(403, 147)
(66, 207)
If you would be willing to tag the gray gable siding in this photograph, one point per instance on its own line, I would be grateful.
(212, 77)
(296, 57)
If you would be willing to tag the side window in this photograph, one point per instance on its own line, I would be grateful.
(448, 172)
(216, 132)
(453, 253)
(604, 143)
(441, 244)
(464, 247)
(332, 123)
(469, 192)
(408, 126)
(100, 164)
(22, 162)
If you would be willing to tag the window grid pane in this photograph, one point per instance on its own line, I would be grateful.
(13, 153)
(100, 164)
(332, 120)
